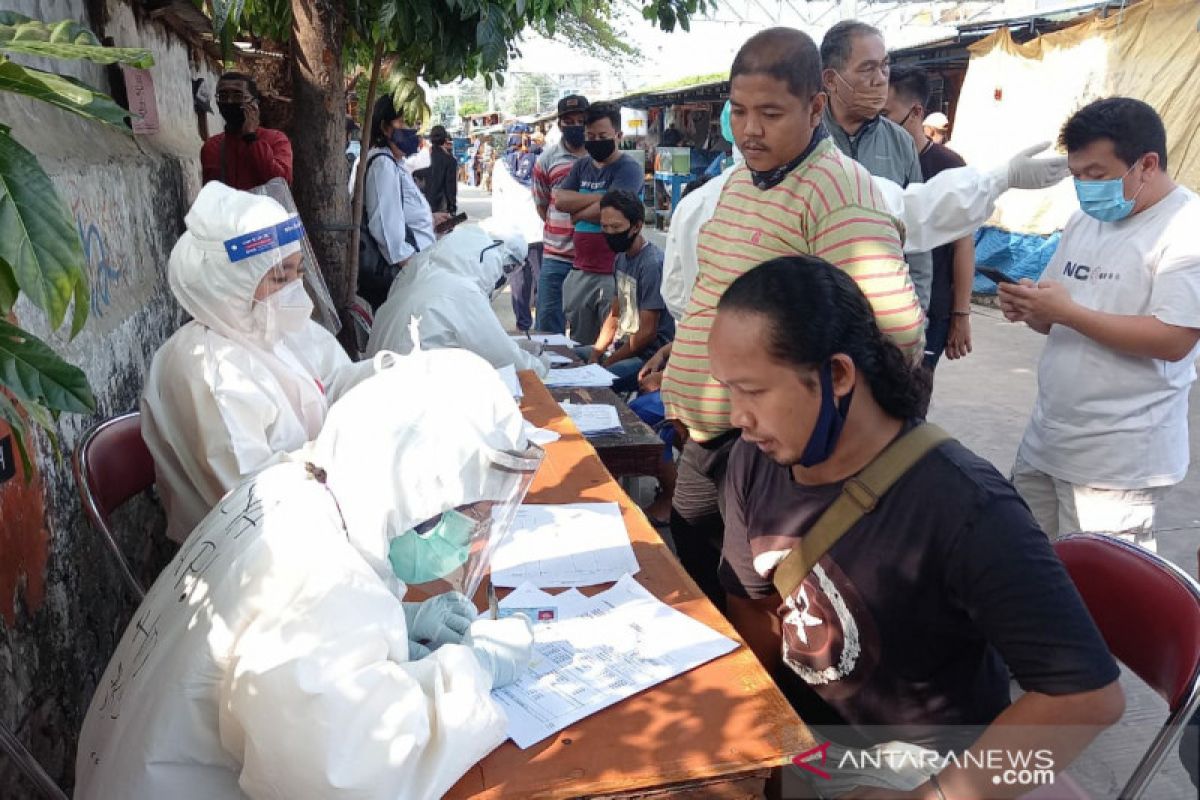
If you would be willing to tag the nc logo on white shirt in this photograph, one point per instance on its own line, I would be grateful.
(1083, 272)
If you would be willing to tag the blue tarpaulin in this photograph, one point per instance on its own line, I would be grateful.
(1017, 255)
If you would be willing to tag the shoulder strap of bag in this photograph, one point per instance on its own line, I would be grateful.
(860, 494)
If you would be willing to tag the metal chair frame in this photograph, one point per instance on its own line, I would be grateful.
(91, 507)
(1166, 740)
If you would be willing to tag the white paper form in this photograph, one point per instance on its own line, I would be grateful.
(557, 360)
(576, 544)
(624, 641)
(549, 339)
(585, 377)
(593, 419)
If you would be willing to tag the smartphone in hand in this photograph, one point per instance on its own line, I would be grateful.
(995, 276)
(448, 225)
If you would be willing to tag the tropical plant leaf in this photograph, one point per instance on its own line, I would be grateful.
(83, 304)
(9, 414)
(38, 238)
(36, 375)
(133, 56)
(8, 288)
(62, 92)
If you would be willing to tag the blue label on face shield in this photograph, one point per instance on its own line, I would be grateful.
(261, 241)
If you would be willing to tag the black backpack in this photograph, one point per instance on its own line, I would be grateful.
(375, 272)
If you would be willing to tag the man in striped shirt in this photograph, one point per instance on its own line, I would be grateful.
(795, 194)
(558, 248)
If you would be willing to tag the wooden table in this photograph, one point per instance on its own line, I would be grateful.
(637, 450)
(714, 732)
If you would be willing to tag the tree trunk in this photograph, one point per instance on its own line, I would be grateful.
(318, 134)
(356, 207)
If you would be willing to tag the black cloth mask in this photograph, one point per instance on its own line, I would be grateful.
(234, 115)
(601, 149)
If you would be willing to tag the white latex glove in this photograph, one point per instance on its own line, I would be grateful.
(1023, 171)
(531, 346)
(504, 647)
(443, 619)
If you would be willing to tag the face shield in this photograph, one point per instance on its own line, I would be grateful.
(314, 282)
(280, 305)
(429, 460)
(498, 255)
(452, 551)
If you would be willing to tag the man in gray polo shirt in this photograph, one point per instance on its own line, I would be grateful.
(855, 73)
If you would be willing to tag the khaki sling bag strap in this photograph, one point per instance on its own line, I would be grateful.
(860, 494)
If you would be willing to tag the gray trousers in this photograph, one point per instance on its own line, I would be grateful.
(587, 301)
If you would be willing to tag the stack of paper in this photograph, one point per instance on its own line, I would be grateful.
(557, 360)
(508, 374)
(577, 544)
(589, 376)
(548, 339)
(590, 653)
(593, 419)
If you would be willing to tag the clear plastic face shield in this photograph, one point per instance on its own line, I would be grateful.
(452, 551)
(280, 304)
(314, 282)
(508, 265)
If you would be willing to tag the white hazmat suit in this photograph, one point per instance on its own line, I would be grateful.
(271, 658)
(449, 289)
(246, 381)
(949, 206)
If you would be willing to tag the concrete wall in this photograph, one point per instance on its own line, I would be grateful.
(62, 606)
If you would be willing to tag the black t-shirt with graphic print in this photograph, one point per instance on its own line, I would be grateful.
(911, 618)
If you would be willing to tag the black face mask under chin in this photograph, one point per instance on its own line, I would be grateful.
(234, 116)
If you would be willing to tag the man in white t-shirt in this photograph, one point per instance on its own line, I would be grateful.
(1120, 306)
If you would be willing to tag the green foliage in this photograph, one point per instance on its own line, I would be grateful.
(40, 252)
(63, 40)
(441, 41)
(683, 83)
(468, 108)
(590, 30)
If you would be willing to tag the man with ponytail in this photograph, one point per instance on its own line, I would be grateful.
(903, 633)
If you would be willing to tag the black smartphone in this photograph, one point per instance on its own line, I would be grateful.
(449, 224)
(995, 276)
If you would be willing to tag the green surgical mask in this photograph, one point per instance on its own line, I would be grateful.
(422, 557)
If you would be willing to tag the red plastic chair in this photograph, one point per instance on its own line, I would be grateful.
(111, 465)
(1148, 611)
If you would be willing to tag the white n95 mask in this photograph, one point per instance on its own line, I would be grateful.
(286, 311)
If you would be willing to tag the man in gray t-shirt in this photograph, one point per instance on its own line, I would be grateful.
(638, 321)
(855, 73)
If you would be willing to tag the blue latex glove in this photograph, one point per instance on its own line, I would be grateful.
(440, 620)
(503, 646)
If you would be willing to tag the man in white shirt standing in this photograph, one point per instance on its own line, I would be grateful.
(1120, 306)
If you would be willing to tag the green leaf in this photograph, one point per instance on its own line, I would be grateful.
(83, 304)
(133, 56)
(8, 288)
(62, 92)
(35, 374)
(8, 413)
(38, 238)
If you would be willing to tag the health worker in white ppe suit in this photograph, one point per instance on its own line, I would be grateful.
(449, 288)
(251, 377)
(274, 657)
(951, 205)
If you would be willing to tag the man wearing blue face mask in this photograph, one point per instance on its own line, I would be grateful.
(891, 622)
(1120, 305)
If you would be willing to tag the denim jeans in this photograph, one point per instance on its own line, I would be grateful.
(626, 370)
(550, 315)
(523, 286)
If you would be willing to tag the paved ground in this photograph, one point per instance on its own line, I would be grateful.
(985, 400)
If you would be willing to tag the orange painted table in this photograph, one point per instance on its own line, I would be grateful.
(714, 732)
